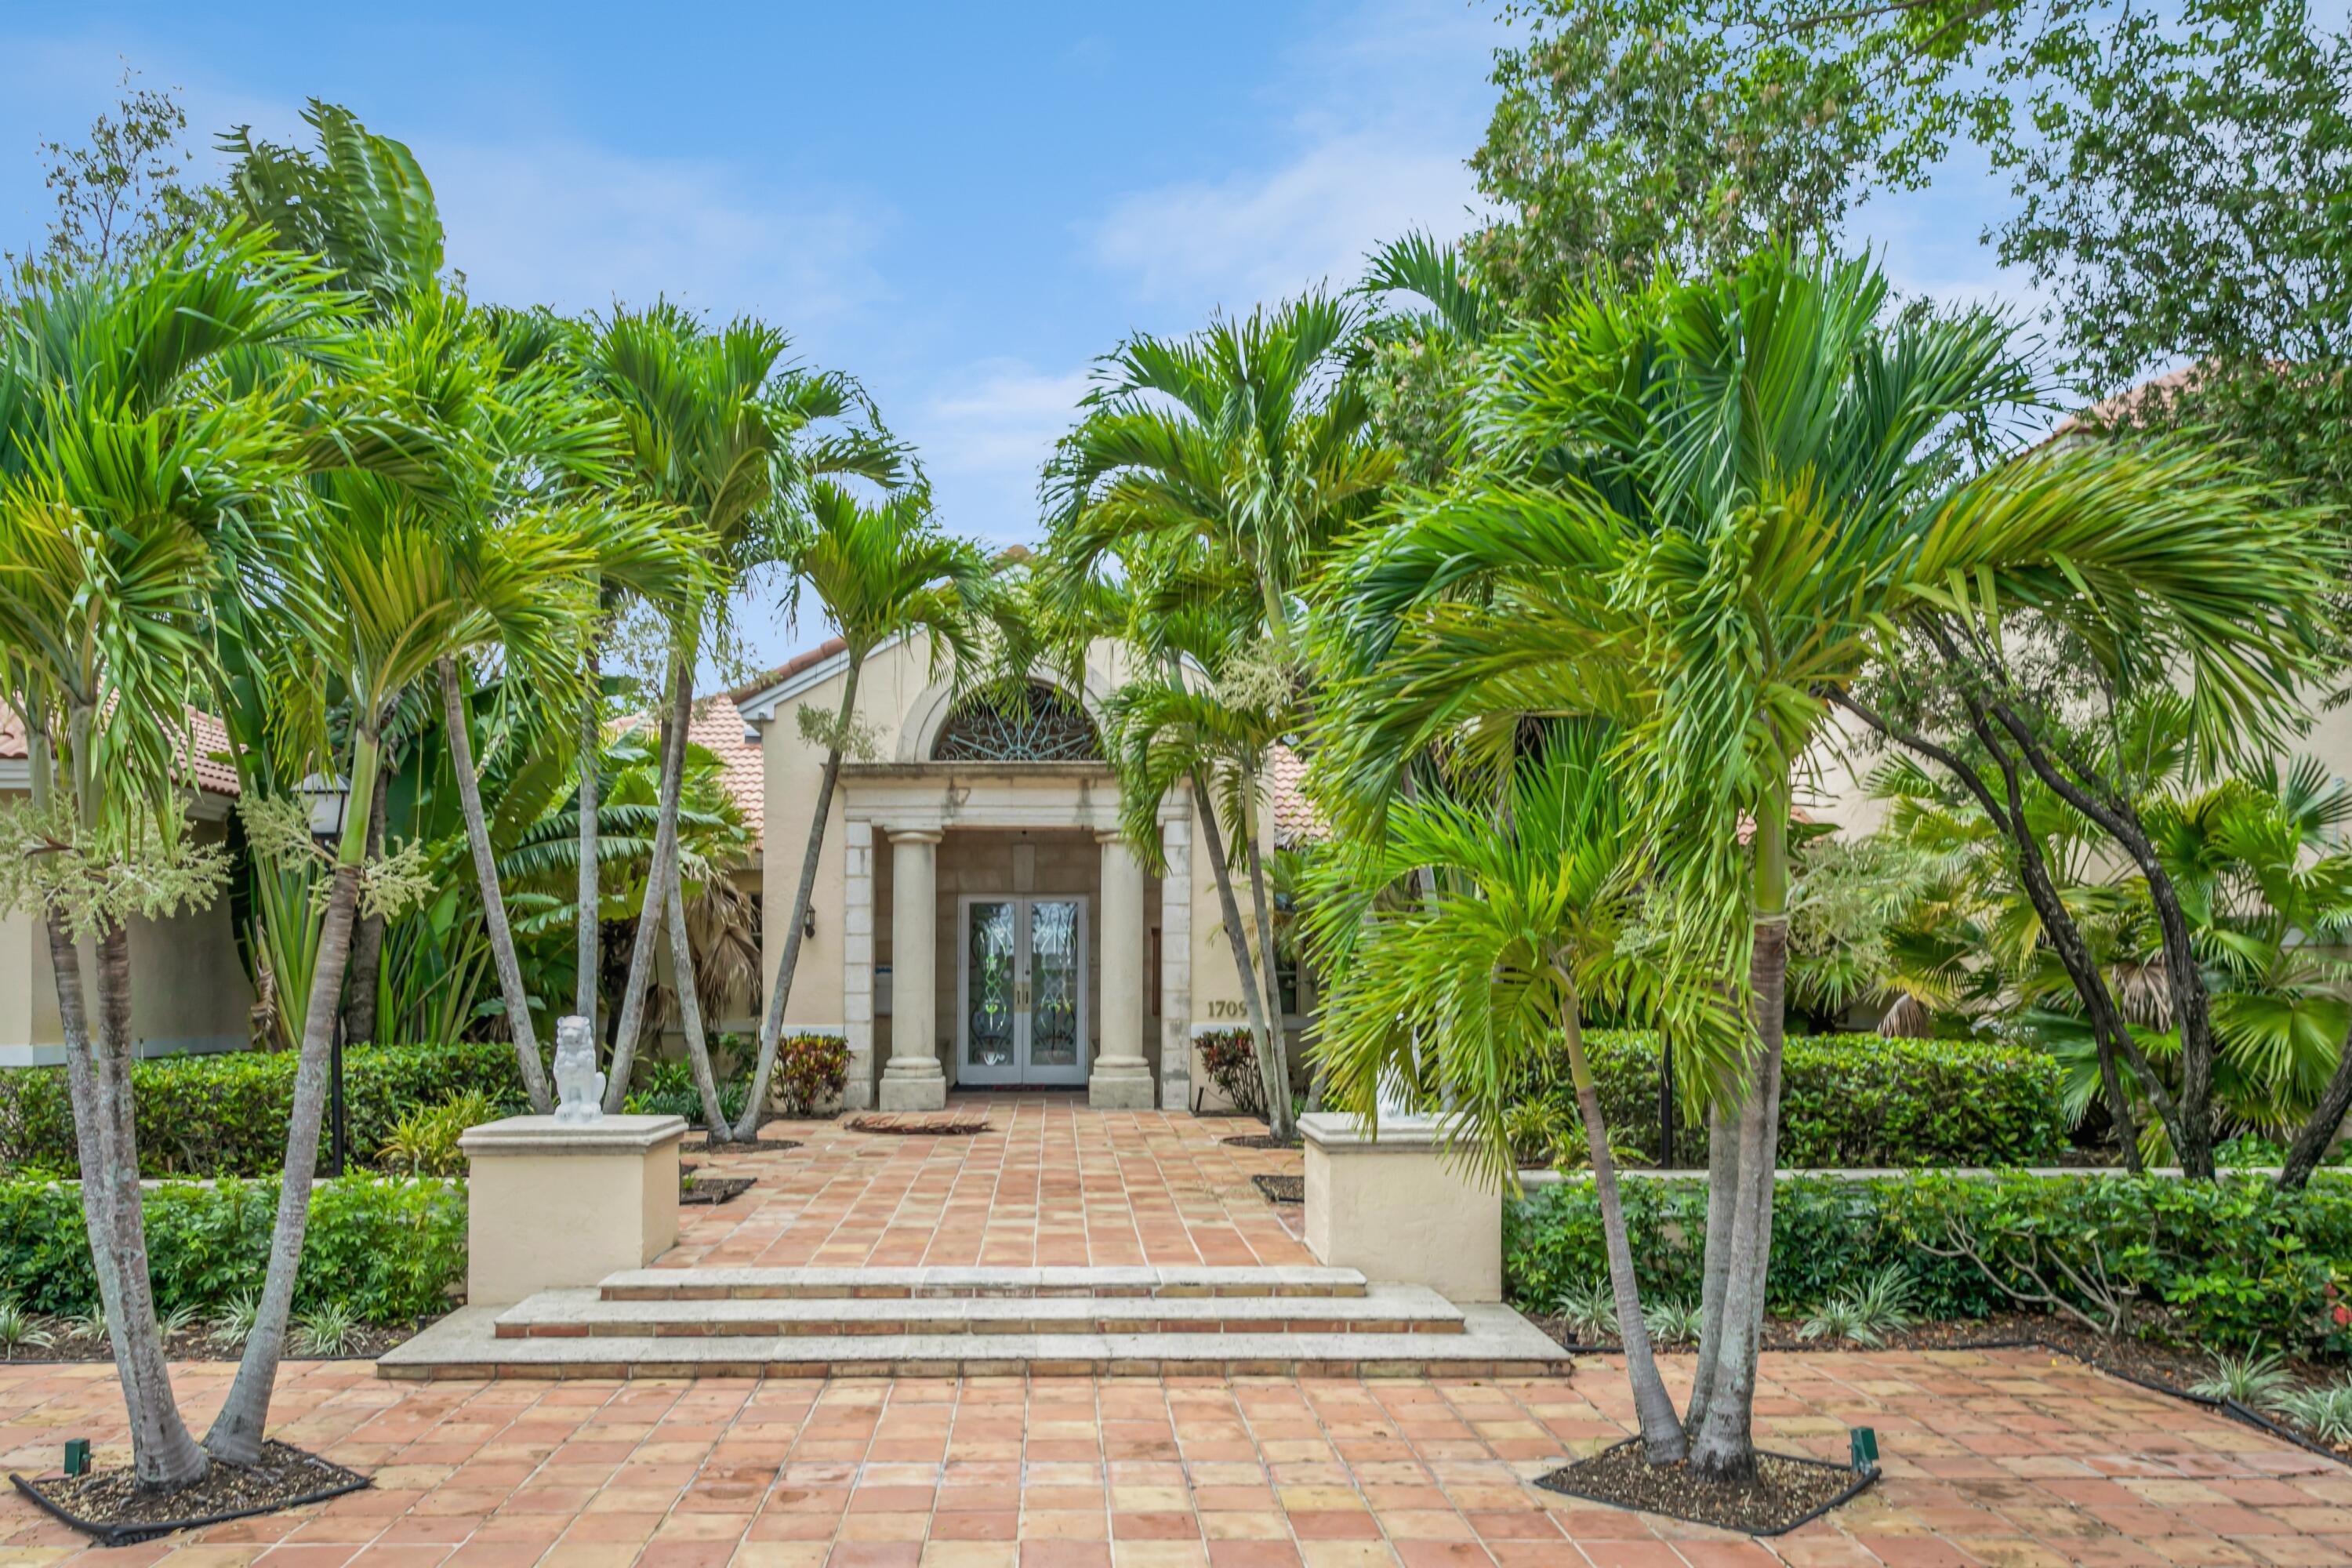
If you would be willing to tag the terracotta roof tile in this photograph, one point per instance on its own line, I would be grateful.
(718, 728)
(1295, 820)
(215, 773)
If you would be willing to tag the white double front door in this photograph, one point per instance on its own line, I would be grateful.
(1021, 989)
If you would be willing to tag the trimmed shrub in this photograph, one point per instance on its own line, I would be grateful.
(225, 1115)
(1847, 1102)
(2233, 1263)
(810, 1072)
(1230, 1058)
(386, 1248)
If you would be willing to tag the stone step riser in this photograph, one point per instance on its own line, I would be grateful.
(824, 1328)
(978, 1366)
(892, 1293)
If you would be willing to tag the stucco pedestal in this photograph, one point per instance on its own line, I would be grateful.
(550, 1205)
(1395, 1209)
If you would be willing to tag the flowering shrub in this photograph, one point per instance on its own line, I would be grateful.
(811, 1072)
(1230, 1058)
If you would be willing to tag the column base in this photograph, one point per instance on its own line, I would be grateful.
(1122, 1085)
(913, 1089)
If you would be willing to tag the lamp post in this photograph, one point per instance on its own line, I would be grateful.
(330, 800)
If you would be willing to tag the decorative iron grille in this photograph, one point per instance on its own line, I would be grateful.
(1037, 724)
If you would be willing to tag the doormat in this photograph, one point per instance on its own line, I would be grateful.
(1281, 1189)
(108, 1507)
(959, 1124)
(1787, 1491)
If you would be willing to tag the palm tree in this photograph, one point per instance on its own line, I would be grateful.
(880, 572)
(1702, 510)
(1486, 928)
(375, 583)
(715, 427)
(120, 471)
(1221, 465)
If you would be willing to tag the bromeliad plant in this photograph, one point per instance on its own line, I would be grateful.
(1705, 510)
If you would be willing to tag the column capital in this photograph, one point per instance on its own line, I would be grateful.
(914, 835)
(1108, 837)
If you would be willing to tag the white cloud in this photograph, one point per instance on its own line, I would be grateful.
(984, 435)
(575, 226)
(1373, 123)
(1259, 235)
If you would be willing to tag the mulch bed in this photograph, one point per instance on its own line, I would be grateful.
(198, 1342)
(108, 1506)
(1262, 1140)
(2161, 1367)
(1281, 1189)
(1785, 1491)
(713, 1189)
(747, 1146)
(921, 1124)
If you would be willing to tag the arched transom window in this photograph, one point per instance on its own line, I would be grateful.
(1034, 724)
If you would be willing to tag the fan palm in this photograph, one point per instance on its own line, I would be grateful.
(1532, 901)
(880, 572)
(122, 467)
(1701, 509)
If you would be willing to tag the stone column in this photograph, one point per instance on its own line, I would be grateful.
(913, 1080)
(858, 964)
(1121, 1080)
(1176, 965)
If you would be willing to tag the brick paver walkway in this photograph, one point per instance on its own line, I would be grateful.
(2006, 1458)
(1050, 1182)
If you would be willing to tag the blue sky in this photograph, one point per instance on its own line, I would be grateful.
(961, 204)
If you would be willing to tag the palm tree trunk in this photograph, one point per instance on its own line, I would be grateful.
(1277, 1097)
(1279, 1117)
(236, 1433)
(494, 902)
(631, 1021)
(771, 1021)
(587, 950)
(1663, 1442)
(163, 1455)
(367, 950)
(1722, 1203)
(689, 1009)
(1724, 1443)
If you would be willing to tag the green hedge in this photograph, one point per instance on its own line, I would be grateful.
(2235, 1263)
(225, 1115)
(1852, 1101)
(386, 1248)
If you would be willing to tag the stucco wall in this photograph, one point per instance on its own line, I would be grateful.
(188, 989)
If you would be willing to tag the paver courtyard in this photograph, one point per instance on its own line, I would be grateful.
(1050, 1182)
(2005, 1457)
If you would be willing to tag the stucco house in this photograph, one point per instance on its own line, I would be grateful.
(190, 993)
(978, 919)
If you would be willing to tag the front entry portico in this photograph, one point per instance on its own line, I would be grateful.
(998, 932)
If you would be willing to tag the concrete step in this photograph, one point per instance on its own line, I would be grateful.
(1494, 1342)
(887, 1284)
(589, 1314)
